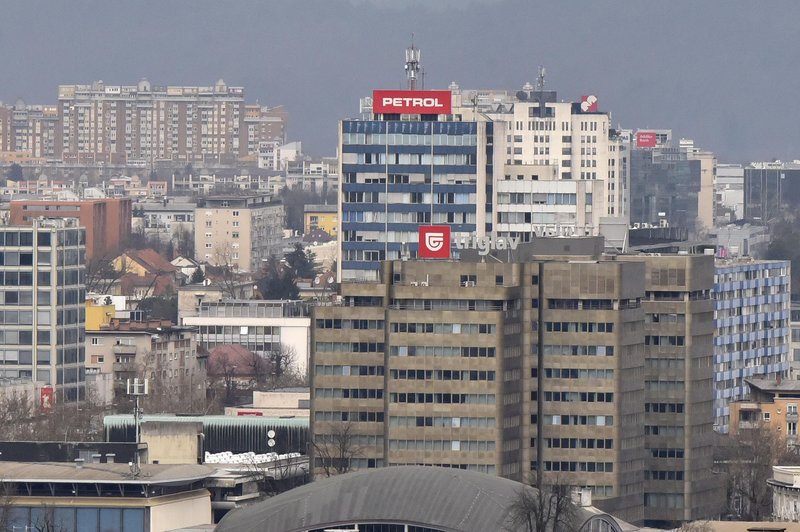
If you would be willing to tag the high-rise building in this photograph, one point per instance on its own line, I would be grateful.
(769, 189)
(239, 231)
(484, 162)
(680, 484)
(141, 122)
(42, 304)
(752, 306)
(595, 368)
(107, 221)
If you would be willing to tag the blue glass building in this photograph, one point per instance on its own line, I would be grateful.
(399, 174)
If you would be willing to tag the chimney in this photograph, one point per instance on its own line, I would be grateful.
(79, 463)
(96, 458)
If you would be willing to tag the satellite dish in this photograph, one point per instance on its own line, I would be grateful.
(271, 443)
(522, 96)
(271, 433)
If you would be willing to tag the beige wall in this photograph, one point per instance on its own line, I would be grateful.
(171, 443)
(185, 510)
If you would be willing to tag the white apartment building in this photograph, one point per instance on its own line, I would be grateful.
(565, 168)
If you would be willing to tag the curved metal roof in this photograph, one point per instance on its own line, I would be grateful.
(445, 499)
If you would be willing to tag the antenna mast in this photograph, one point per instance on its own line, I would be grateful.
(412, 64)
(540, 89)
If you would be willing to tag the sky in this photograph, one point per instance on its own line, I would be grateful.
(722, 72)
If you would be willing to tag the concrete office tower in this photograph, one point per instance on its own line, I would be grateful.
(678, 345)
(437, 364)
(42, 304)
(239, 231)
(752, 305)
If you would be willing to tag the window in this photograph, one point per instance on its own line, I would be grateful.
(96, 341)
(766, 416)
(236, 213)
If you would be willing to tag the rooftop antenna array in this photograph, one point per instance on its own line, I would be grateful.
(540, 89)
(413, 67)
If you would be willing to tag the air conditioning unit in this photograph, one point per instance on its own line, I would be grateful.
(414, 283)
(423, 283)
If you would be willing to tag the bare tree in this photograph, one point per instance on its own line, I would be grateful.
(283, 359)
(749, 465)
(337, 449)
(102, 275)
(44, 520)
(548, 507)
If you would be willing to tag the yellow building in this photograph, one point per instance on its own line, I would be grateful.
(773, 405)
(325, 217)
(98, 313)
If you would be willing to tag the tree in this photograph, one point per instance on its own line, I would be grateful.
(283, 364)
(160, 307)
(300, 262)
(751, 456)
(197, 276)
(278, 282)
(15, 172)
(546, 507)
(184, 241)
(336, 449)
(101, 276)
(696, 526)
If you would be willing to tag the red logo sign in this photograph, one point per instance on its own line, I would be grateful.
(46, 398)
(434, 241)
(589, 104)
(645, 139)
(411, 102)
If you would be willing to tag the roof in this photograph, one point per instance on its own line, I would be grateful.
(150, 260)
(445, 499)
(120, 420)
(99, 473)
(773, 385)
(320, 208)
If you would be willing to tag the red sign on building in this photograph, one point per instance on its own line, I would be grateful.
(47, 397)
(645, 139)
(434, 241)
(589, 104)
(411, 102)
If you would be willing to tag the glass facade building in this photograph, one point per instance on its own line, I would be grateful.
(399, 174)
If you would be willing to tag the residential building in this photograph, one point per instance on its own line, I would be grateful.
(112, 123)
(144, 273)
(770, 190)
(752, 322)
(261, 327)
(324, 217)
(785, 483)
(772, 405)
(152, 349)
(107, 221)
(171, 219)
(239, 231)
(42, 303)
(794, 356)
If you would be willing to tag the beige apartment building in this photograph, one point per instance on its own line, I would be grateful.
(240, 231)
(554, 360)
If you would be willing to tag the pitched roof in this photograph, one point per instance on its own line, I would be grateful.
(150, 260)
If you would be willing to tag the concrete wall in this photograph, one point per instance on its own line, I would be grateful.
(171, 443)
(184, 510)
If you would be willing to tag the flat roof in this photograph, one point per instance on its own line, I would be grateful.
(56, 472)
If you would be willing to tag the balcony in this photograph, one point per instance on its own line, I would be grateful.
(124, 349)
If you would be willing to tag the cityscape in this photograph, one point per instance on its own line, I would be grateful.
(444, 299)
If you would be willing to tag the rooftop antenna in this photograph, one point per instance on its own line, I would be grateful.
(540, 89)
(412, 64)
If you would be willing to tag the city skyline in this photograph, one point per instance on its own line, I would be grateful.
(693, 77)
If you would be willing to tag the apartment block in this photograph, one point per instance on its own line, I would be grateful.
(752, 314)
(240, 231)
(42, 305)
(107, 221)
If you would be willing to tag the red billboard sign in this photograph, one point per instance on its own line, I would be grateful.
(434, 242)
(645, 139)
(589, 104)
(411, 102)
(249, 413)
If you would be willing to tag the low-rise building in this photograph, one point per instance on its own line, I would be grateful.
(772, 405)
(325, 217)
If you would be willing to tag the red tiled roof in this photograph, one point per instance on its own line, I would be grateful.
(151, 261)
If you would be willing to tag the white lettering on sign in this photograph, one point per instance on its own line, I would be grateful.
(485, 244)
(415, 102)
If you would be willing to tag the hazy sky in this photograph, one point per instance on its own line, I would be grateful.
(725, 73)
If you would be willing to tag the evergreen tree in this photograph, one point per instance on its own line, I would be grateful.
(197, 276)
